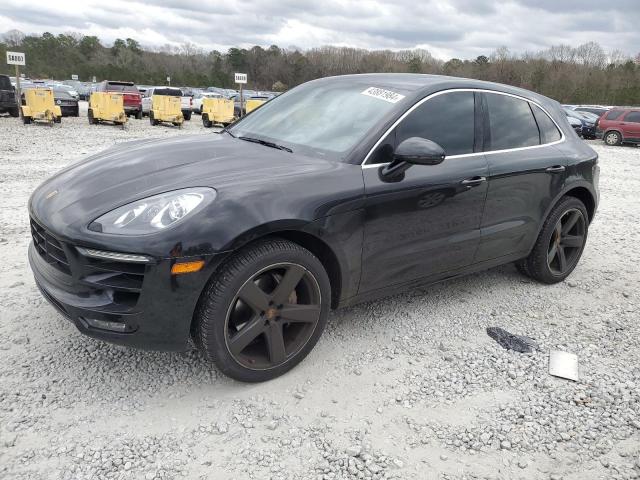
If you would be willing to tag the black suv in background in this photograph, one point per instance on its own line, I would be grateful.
(8, 97)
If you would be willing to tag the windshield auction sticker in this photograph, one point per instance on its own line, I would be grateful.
(382, 94)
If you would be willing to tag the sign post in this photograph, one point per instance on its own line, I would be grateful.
(17, 59)
(241, 79)
(168, 80)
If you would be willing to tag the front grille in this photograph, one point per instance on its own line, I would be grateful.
(49, 248)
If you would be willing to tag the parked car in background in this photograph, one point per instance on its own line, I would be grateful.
(588, 123)
(620, 125)
(130, 95)
(196, 105)
(243, 242)
(67, 100)
(81, 88)
(185, 101)
(576, 125)
(8, 103)
(592, 109)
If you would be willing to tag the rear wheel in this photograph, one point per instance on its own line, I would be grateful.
(14, 112)
(152, 119)
(26, 120)
(92, 121)
(187, 115)
(57, 119)
(263, 311)
(613, 138)
(560, 243)
(205, 121)
(139, 115)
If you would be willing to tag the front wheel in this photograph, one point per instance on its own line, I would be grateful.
(613, 138)
(560, 243)
(205, 121)
(263, 311)
(139, 115)
(152, 119)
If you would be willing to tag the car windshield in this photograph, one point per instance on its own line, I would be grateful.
(326, 119)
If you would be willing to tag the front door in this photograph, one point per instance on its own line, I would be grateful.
(428, 220)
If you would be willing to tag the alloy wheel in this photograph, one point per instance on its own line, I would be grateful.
(612, 138)
(567, 240)
(272, 316)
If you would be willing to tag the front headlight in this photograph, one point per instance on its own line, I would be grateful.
(155, 213)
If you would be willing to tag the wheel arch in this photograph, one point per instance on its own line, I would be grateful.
(585, 196)
(295, 233)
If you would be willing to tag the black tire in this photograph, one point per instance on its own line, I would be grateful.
(14, 112)
(77, 112)
(612, 138)
(560, 243)
(220, 301)
(26, 120)
(187, 116)
(92, 121)
(205, 121)
(139, 115)
(57, 119)
(152, 120)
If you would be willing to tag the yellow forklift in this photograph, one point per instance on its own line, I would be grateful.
(40, 106)
(106, 107)
(165, 108)
(217, 110)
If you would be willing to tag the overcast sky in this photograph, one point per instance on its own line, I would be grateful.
(447, 28)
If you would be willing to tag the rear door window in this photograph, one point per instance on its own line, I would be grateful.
(511, 123)
(548, 130)
(446, 119)
(633, 117)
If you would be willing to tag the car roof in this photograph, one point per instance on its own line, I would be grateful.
(417, 84)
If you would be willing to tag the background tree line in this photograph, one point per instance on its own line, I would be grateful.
(583, 74)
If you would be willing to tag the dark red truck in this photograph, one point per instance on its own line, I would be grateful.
(131, 96)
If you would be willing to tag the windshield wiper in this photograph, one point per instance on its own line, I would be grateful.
(266, 143)
(226, 130)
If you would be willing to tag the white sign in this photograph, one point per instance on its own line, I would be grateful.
(169, 79)
(74, 77)
(241, 77)
(94, 79)
(16, 58)
(382, 94)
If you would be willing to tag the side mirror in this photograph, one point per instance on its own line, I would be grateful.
(419, 151)
(412, 151)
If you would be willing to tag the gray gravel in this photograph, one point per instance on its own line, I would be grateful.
(408, 387)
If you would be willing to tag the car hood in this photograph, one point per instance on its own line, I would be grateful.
(135, 170)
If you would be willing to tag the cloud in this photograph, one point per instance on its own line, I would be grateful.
(453, 28)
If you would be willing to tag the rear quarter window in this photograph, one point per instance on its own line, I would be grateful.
(548, 130)
(511, 123)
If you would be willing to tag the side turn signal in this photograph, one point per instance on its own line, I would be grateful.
(186, 267)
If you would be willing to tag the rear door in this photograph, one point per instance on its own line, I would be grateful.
(631, 126)
(526, 172)
(427, 221)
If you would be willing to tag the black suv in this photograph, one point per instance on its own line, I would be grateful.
(244, 240)
(8, 97)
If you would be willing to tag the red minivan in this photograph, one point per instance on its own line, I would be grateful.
(620, 125)
(131, 96)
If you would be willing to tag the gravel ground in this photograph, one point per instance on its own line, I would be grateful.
(409, 387)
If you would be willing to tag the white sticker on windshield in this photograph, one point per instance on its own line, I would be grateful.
(382, 94)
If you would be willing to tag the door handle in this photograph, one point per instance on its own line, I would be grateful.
(556, 169)
(473, 181)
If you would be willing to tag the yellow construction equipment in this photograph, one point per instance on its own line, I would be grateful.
(217, 110)
(166, 108)
(106, 107)
(253, 103)
(40, 105)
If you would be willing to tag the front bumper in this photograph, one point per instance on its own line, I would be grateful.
(134, 304)
(589, 132)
